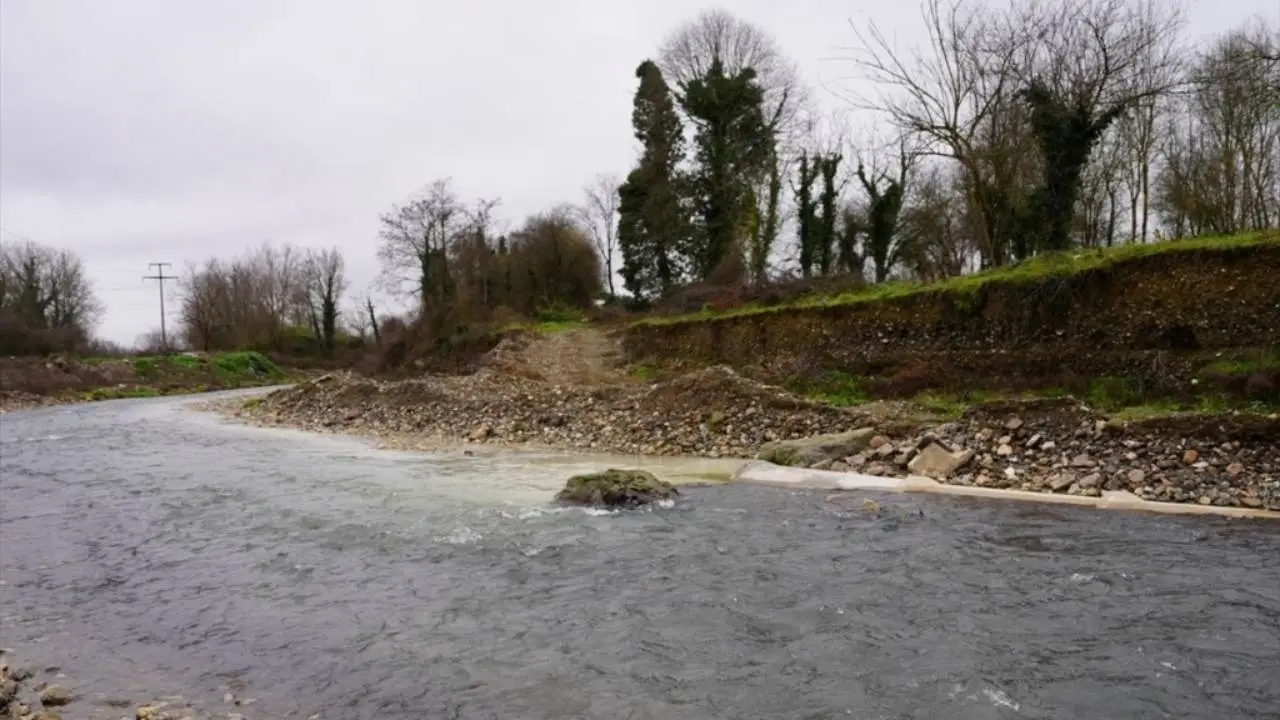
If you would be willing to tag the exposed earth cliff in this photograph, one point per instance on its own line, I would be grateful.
(1176, 321)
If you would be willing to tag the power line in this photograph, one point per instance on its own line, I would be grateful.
(164, 339)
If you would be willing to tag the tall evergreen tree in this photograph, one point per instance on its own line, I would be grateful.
(733, 145)
(652, 222)
(765, 233)
(806, 213)
(828, 167)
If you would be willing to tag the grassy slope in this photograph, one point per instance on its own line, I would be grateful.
(153, 376)
(1040, 267)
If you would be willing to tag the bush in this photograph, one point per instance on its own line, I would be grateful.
(144, 367)
(251, 363)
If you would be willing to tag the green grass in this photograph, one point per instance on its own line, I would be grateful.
(832, 388)
(187, 362)
(1038, 268)
(98, 394)
(642, 372)
(1243, 366)
(545, 327)
(237, 367)
(144, 368)
(952, 406)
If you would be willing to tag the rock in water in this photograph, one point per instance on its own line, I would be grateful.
(616, 488)
(807, 452)
(55, 695)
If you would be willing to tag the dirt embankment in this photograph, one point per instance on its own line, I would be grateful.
(1159, 319)
(571, 393)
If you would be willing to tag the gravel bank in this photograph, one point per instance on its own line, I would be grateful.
(1055, 446)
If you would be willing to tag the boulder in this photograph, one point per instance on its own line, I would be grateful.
(615, 488)
(56, 695)
(807, 452)
(937, 462)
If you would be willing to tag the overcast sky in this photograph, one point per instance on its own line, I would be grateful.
(135, 131)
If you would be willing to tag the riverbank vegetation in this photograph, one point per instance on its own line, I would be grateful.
(63, 378)
(986, 160)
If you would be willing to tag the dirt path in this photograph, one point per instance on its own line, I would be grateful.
(584, 357)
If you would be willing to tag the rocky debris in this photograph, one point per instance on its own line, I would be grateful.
(616, 488)
(1062, 447)
(17, 701)
(11, 400)
(819, 449)
(937, 462)
(22, 700)
(1048, 445)
(709, 413)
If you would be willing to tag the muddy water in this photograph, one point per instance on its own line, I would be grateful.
(151, 550)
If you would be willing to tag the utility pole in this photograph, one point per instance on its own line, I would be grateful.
(164, 338)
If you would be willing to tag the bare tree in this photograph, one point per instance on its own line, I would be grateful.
(688, 53)
(1100, 207)
(1222, 153)
(933, 228)
(416, 238)
(952, 93)
(279, 271)
(599, 214)
(1138, 128)
(153, 342)
(325, 281)
(205, 307)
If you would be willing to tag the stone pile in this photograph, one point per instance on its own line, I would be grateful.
(1044, 445)
(711, 413)
(1062, 447)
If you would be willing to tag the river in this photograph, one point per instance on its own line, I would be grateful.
(149, 549)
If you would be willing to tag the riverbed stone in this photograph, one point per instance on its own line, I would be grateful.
(55, 696)
(805, 452)
(616, 488)
(936, 461)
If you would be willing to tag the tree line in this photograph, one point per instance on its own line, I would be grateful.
(275, 297)
(1011, 131)
(47, 303)
(1008, 132)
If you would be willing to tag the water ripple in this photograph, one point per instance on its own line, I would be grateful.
(148, 550)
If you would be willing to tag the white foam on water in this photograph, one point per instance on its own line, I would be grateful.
(461, 536)
(1082, 578)
(999, 699)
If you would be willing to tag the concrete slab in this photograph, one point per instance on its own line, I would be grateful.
(758, 472)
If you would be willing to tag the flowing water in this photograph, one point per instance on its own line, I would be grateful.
(149, 549)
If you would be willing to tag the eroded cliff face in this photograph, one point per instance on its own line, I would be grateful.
(1161, 318)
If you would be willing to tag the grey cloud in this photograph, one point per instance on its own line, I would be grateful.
(141, 130)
